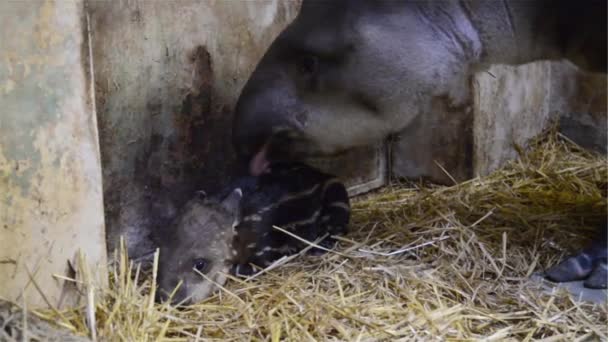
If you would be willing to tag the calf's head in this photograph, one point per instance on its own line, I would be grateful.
(197, 254)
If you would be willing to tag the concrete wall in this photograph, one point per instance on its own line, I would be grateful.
(513, 104)
(50, 175)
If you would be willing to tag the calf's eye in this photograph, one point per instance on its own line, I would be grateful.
(308, 64)
(200, 265)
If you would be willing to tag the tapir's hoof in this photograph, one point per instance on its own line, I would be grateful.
(572, 269)
(598, 279)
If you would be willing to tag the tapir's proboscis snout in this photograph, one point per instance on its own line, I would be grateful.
(309, 95)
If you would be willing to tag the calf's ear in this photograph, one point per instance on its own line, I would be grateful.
(232, 202)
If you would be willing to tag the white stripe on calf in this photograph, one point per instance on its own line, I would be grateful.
(282, 250)
(253, 218)
(329, 183)
(288, 198)
(310, 220)
(340, 205)
(263, 251)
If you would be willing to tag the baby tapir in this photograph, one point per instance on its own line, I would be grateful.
(198, 252)
(297, 198)
(235, 228)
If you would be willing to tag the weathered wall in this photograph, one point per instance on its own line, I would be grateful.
(435, 143)
(168, 74)
(50, 176)
(515, 103)
(512, 105)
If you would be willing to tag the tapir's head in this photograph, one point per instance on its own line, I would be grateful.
(197, 255)
(345, 73)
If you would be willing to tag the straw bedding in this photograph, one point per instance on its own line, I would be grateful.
(422, 262)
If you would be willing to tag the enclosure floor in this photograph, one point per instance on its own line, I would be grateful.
(420, 262)
(576, 290)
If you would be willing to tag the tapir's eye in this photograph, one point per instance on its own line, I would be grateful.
(308, 64)
(201, 265)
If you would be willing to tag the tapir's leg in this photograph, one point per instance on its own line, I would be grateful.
(590, 264)
(335, 214)
(598, 279)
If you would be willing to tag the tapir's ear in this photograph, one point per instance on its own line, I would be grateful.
(232, 201)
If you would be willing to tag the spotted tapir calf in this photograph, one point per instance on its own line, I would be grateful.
(347, 73)
(233, 230)
(297, 198)
(196, 256)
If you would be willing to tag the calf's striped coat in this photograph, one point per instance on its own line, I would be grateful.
(296, 197)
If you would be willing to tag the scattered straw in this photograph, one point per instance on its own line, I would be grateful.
(420, 263)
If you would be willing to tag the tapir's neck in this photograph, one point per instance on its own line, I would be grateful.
(516, 32)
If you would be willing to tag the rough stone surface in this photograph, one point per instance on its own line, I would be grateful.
(50, 174)
(512, 104)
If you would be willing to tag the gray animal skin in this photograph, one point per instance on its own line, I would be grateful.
(198, 254)
(348, 73)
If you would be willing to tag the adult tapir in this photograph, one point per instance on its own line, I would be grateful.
(347, 73)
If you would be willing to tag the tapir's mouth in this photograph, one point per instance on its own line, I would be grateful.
(259, 163)
(283, 146)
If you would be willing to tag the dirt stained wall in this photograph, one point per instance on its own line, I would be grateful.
(50, 174)
(168, 74)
